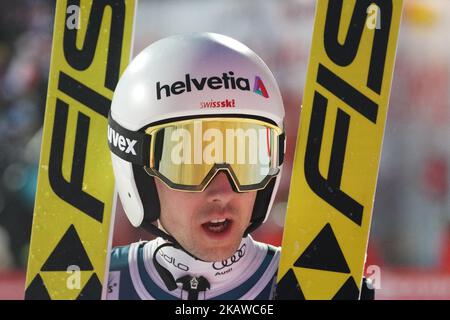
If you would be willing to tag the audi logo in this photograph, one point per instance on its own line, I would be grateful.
(230, 261)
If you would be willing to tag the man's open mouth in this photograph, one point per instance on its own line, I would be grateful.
(217, 225)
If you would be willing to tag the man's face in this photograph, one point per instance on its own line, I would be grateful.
(196, 219)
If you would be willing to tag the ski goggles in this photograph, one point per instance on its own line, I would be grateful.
(187, 154)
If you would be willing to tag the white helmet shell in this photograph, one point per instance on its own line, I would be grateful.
(190, 75)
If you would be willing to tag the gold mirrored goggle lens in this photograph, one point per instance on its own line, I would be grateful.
(187, 154)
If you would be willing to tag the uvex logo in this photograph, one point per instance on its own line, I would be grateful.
(226, 81)
(119, 141)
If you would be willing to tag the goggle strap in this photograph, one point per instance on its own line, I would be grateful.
(131, 146)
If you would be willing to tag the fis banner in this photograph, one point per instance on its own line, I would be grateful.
(75, 195)
(338, 149)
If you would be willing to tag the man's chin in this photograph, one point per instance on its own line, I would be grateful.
(217, 254)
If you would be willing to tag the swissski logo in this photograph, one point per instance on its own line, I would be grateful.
(226, 81)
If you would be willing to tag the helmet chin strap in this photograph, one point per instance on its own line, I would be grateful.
(150, 227)
(165, 274)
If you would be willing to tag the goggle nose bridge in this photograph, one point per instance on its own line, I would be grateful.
(216, 169)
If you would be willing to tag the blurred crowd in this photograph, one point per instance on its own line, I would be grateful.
(25, 45)
(410, 227)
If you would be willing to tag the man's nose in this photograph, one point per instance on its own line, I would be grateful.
(219, 189)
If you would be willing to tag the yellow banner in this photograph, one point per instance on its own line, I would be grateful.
(338, 149)
(75, 196)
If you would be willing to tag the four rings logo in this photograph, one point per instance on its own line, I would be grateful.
(227, 81)
(230, 261)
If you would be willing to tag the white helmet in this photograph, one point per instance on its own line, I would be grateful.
(173, 78)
